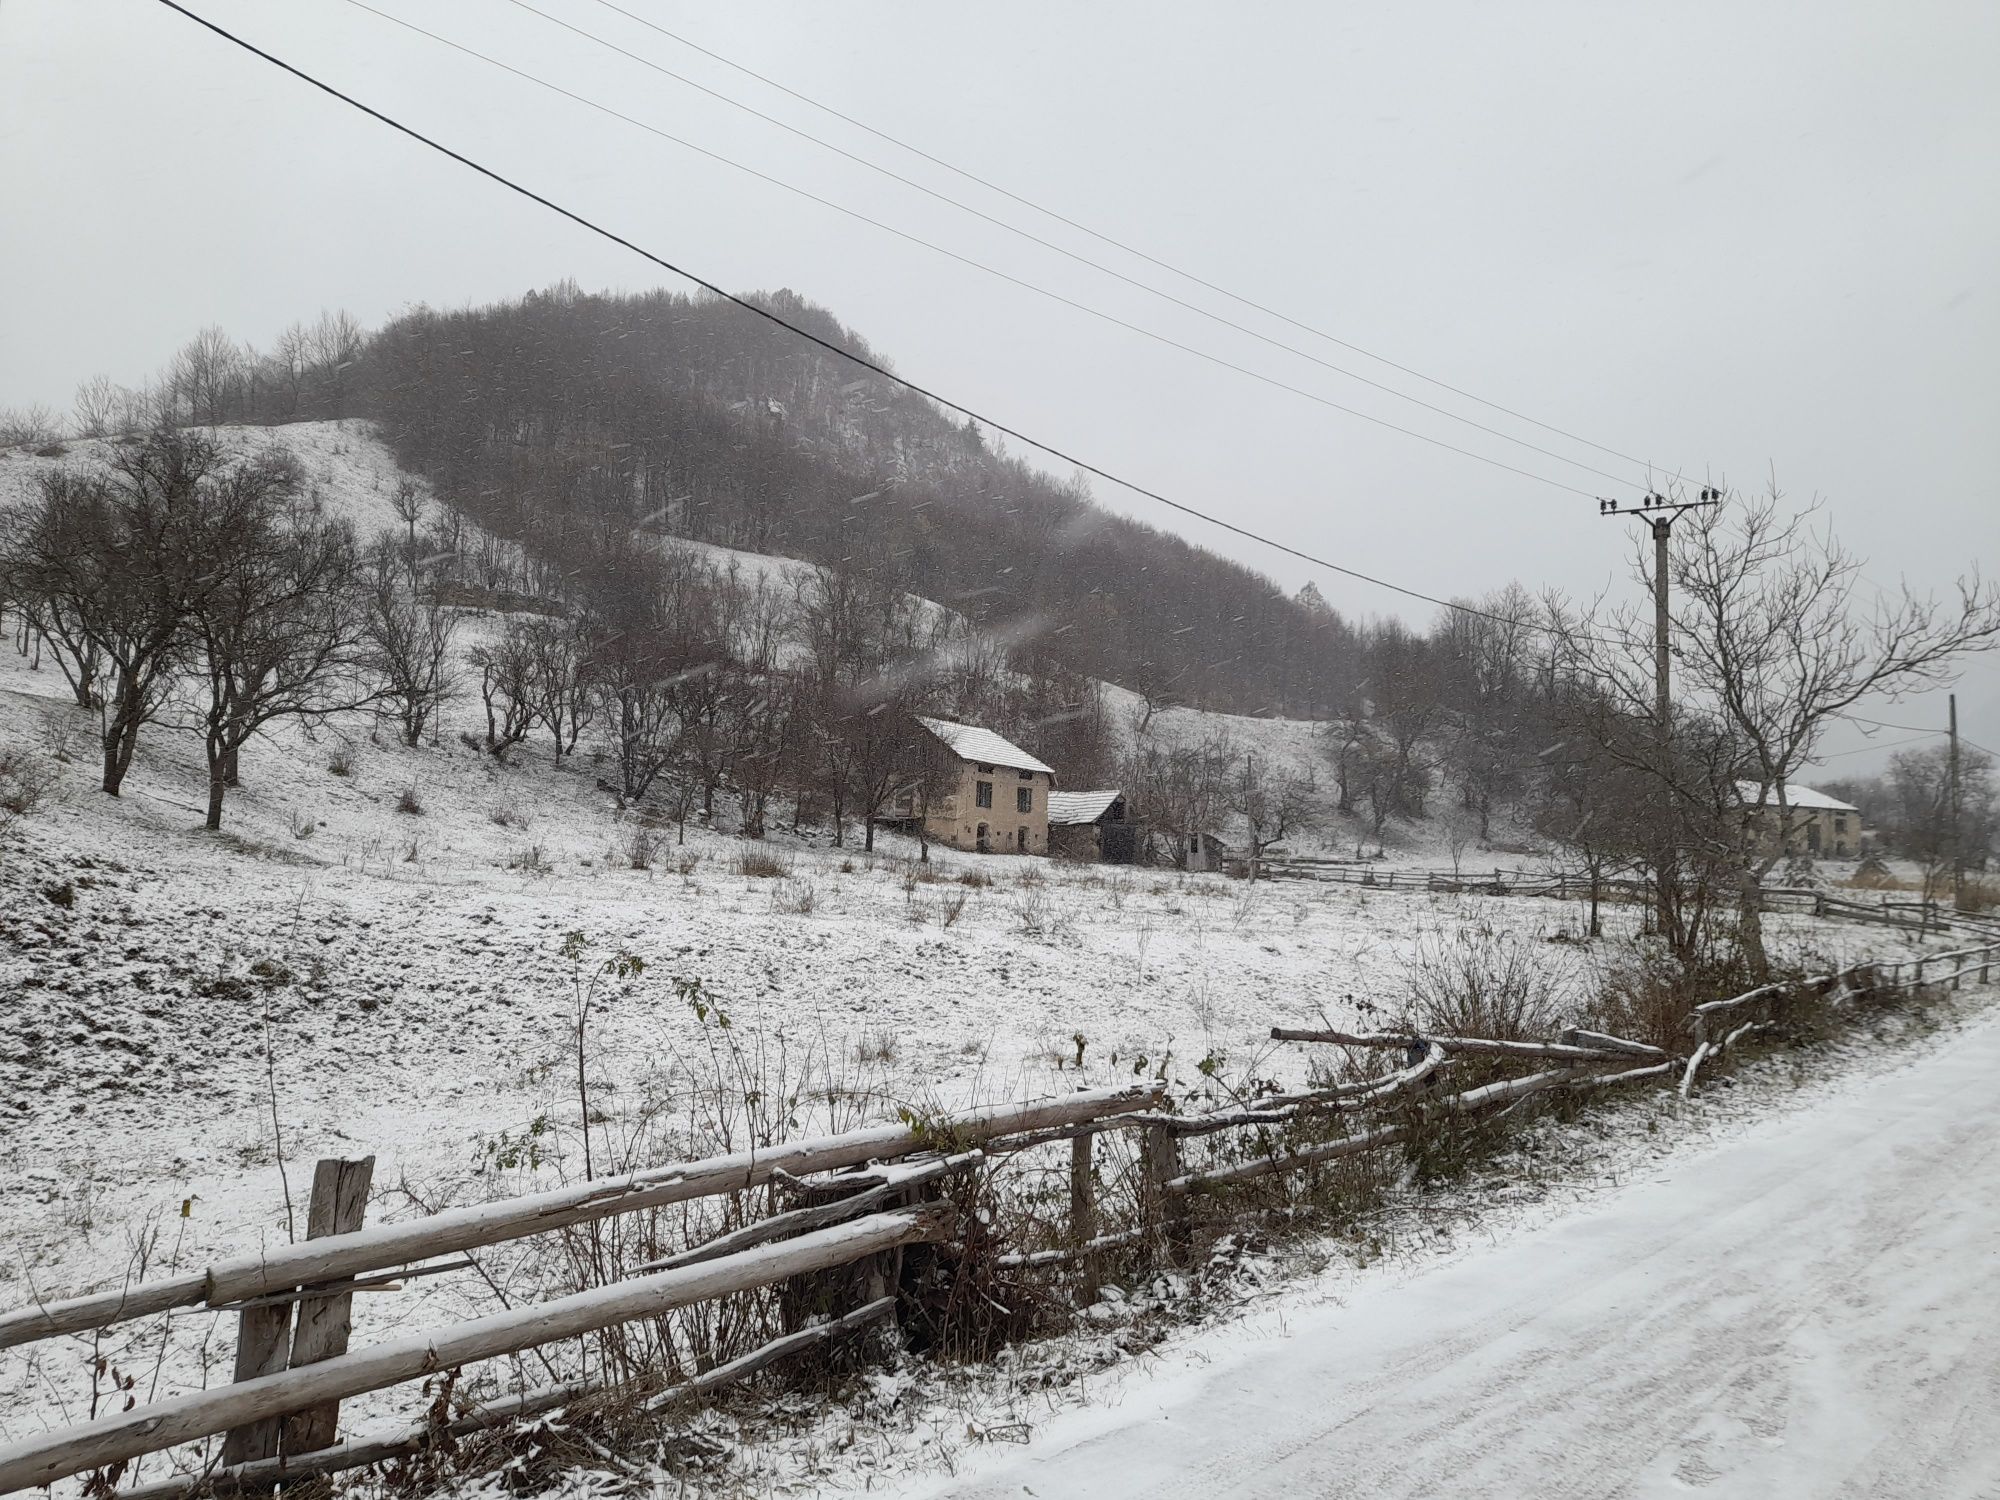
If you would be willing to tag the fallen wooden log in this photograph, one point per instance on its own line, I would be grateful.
(359, 1452)
(1189, 1182)
(47, 1457)
(769, 1354)
(1064, 1253)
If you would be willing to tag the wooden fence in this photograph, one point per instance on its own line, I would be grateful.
(1886, 911)
(867, 1195)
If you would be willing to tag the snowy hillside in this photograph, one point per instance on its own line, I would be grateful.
(352, 471)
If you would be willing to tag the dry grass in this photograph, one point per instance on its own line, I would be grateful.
(762, 864)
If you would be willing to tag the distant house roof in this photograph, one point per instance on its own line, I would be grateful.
(1802, 797)
(1070, 808)
(970, 742)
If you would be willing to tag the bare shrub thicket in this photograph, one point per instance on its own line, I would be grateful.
(25, 784)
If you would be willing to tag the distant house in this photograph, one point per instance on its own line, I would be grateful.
(1092, 825)
(992, 795)
(1810, 823)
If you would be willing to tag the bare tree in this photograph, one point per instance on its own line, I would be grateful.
(1770, 648)
(118, 564)
(559, 680)
(1273, 804)
(95, 411)
(409, 640)
(507, 688)
(32, 427)
(336, 341)
(206, 376)
(281, 635)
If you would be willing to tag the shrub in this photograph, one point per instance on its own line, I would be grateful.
(1476, 986)
(506, 817)
(979, 879)
(950, 908)
(642, 847)
(795, 897)
(302, 825)
(341, 761)
(762, 864)
(1647, 996)
(878, 1046)
(530, 861)
(59, 733)
(24, 785)
(407, 802)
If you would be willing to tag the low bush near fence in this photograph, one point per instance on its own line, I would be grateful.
(725, 1241)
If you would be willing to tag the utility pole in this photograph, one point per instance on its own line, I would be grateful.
(1659, 514)
(1951, 792)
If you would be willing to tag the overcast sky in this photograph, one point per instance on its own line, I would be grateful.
(1730, 239)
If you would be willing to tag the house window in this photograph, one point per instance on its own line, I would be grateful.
(1021, 841)
(1024, 799)
(1027, 775)
(1194, 843)
(982, 793)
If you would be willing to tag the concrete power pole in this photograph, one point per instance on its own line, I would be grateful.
(1951, 807)
(1659, 514)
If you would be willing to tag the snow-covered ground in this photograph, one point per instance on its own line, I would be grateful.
(1812, 1310)
(184, 1015)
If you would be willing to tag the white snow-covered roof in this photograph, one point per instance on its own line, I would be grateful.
(1802, 797)
(1067, 808)
(970, 742)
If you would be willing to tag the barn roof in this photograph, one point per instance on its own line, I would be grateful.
(1802, 797)
(970, 742)
(1070, 808)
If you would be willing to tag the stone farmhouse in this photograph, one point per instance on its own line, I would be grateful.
(1811, 823)
(992, 797)
(989, 795)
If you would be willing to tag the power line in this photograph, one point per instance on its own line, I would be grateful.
(1891, 745)
(1033, 238)
(1106, 239)
(967, 260)
(812, 338)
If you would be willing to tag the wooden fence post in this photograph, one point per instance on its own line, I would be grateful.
(1083, 1215)
(1160, 1155)
(265, 1343)
(339, 1201)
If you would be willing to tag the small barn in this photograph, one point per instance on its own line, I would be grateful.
(1092, 826)
(1202, 851)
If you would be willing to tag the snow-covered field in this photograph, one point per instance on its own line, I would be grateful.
(182, 1015)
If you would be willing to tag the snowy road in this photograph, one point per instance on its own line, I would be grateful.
(1813, 1310)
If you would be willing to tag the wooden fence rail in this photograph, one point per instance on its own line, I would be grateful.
(181, 1419)
(385, 1246)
